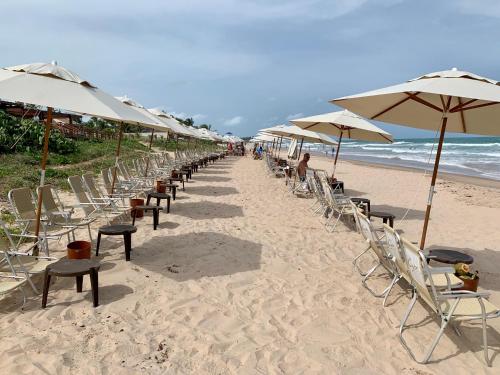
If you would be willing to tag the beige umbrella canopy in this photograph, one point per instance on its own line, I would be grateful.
(343, 124)
(171, 122)
(53, 86)
(295, 132)
(451, 100)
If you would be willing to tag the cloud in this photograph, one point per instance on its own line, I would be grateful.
(234, 121)
(294, 116)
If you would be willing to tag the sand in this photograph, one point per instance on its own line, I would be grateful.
(242, 278)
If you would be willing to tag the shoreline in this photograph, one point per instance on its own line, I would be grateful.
(452, 177)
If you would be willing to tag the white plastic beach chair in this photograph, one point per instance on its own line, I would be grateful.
(21, 265)
(455, 306)
(23, 207)
(59, 216)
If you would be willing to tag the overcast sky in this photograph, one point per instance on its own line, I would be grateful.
(242, 65)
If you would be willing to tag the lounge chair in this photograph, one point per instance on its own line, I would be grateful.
(24, 210)
(21, 264)
(450, 306)
(90, 208)
(59, 216)
(337, 204)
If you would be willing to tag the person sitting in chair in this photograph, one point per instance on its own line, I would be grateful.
(302, 167)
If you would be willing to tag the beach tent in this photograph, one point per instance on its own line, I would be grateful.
(53, 86)
(449, 100)
(343, 124)
(294, 132)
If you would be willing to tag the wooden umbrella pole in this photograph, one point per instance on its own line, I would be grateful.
(433, 182)
(272, 147)
(48, 123)
(279, 149)
(337, 154)
(300, 149)
(150, 146)
(120, 136)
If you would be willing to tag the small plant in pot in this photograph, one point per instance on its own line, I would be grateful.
(470, 280)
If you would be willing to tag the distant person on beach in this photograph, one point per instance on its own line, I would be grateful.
(302, 167)
(259, 151)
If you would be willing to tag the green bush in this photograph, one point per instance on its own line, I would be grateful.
(27, 136)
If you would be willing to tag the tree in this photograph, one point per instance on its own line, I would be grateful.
(205, 126)
(189, 121)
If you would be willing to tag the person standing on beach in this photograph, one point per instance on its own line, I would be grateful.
(302, 167)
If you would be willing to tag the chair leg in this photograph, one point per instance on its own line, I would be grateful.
(355, 261)
(395, 279)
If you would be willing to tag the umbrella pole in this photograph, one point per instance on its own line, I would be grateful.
(279, 149)
(337, 154)
(48, 123)
(300, 149)
(120, 136)
(272, 148)
(150, 145)
(433, 182)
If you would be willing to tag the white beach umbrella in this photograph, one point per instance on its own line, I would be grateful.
(53, 86)
(160, 125)
(343, 124)
(296, 132)
(171, 122)
(451, 100)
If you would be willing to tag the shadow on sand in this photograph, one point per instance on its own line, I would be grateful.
(211, 178)
(193, 256)
(212, 191)
(399, 211)
(208, 210)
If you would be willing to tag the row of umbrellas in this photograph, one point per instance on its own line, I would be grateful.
(450, 100)
(53, 86)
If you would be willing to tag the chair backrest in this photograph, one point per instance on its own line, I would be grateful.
(22, 203)
(123, 170)
(76, 184)
(88, 180)
(106, 177)
(370, 235)
(419, 273)
(394, 247)
(48, 202)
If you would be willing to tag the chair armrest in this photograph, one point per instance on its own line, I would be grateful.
(452, 294)
(441, 270)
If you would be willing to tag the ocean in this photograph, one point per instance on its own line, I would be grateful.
(471, 156)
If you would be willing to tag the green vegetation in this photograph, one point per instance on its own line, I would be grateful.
(23, 169)
(27, 135)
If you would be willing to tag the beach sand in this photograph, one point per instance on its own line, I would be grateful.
(242, 278)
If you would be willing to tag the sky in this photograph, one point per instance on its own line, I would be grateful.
(242, 65)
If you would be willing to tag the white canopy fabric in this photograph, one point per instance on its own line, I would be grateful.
(172, 123)
(295, 132)
(160, 125)
(263, 138)
(53, 86)
(344, 123)
(420, 103)
(203, 134)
